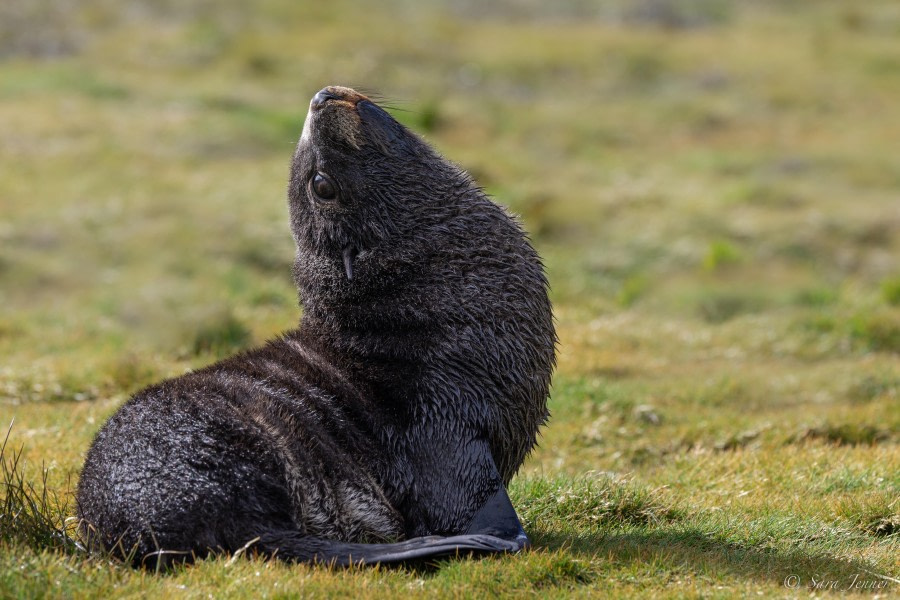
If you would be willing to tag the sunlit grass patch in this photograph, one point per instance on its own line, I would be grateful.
(767, 194)
(591, 501)
(220, 334)
(877, 514)
(890, 290)
(721, 306)
(131, 372)
(632, 289)
(721, 254)
(868, 330)
(31, 513)
(878, 330)
(263, 257)
(541, 572)
(851, 434)
(871, 387)
(816, 296)
(268, 127)
(57, 79)
(22, 385)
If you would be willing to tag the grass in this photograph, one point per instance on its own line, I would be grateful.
(32, 514)
(713, 187)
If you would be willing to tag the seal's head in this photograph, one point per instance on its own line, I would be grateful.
(363, 192)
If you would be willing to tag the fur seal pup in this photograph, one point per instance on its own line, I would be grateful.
(386, 427)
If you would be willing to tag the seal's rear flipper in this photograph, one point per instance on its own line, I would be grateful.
(495, 528)
(292, 546)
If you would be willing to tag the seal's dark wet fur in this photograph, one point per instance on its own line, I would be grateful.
(406, 400)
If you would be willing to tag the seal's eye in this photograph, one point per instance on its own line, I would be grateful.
(323, 187)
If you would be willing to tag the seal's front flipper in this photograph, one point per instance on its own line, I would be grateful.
(495, 528)
(498, 518)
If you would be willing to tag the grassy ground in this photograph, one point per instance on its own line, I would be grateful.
(715, 187)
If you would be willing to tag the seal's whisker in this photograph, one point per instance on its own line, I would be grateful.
(395, 108)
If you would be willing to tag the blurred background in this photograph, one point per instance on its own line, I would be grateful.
(714, 186)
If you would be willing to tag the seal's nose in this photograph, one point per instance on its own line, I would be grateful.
(321, 97)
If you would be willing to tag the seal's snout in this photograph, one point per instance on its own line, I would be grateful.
(335, 93)
(321, 97)
(333, 115)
